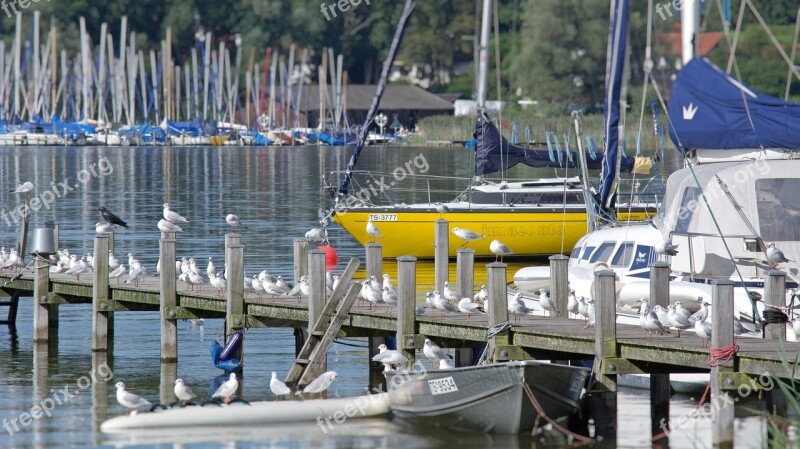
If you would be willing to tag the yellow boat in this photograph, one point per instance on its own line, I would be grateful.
(530, 218)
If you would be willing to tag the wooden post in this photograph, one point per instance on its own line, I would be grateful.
(721, 336)
(166, 390)
(498, 306)
(300, 259)
(465, 272)
(234, 294)
(23, 228)
(101, 321)
(41, 311)
(55, 235)
(774, 295)
(168, 298)
(406, 306)
(659, 383)
(375, 261)
(102, 373)
(559, 283)
(442, 244)
(376, 380)
(317, 293)
(605, 319)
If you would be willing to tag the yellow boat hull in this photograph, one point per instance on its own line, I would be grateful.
(527, 233)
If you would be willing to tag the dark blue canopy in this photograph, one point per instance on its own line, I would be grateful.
(708, 109)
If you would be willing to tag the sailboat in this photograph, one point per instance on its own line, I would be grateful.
(535, 217)
(735, 197)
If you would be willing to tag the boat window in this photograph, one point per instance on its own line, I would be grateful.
(603, 252)
(587, 252)
(624, 255)
(690, 202)
(534, 198)
(575, 252)
(778, 208)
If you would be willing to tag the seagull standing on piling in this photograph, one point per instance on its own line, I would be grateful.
(775, 256)
(103, 228)
(317, 235)
(442, 209)
(499, 249)
(182, 391)
(111, 219)
(277, 387)
(467, 236)
(172, 216)
(168, 226)
(373, 231)
(233, 222)
(128, 399)
(25, 188)
(666, 248)
(227, 389)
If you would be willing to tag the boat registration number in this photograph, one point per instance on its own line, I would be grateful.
(383, 217)
(441, 386)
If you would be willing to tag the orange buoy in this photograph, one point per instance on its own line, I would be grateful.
(331, 258)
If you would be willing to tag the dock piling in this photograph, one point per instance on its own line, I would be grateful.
(406, 306)
(103, 320)
(41, 310)
(559, 283)
(234, 294)
(498, 306)
(659, 383)
(721, 337)
(317, 294)
(605, 347)
(441, 254)
(374, 252)
(774, 295)
(168, 298)
(465, 272)
(300, 258)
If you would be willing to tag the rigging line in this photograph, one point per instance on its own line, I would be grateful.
(648, 62)
(774, 40)
(732, 45)
(497, 73)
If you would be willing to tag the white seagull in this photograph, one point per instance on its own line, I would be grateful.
(775, 255)
(128, 399)
(118, 273)
(168, 226)
(321, 383)
(227, 389)
(547, 302)
(466, 235)
(389, 357)
(465, 305)
(373, 231)
(182, 391)
(103, 228)
(677, 320)
(277, 387)
(317, 235)
(499, 249)
(233, 221)
(172, 216)
(667, 248)
(433, 352)
(25, 187)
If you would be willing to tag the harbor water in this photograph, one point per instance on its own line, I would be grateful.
(277, 193)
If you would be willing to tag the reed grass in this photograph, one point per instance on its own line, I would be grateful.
(783, 430)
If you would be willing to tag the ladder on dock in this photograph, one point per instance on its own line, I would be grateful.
(320, 337)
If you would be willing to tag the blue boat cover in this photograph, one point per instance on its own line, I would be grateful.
(493, 153)
(708, 109)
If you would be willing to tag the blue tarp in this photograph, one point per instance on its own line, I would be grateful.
(708, 109)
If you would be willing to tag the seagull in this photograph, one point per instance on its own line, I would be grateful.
(172, 216)
(590, 313)
(234, 222)
(682, 310)
(442, 209)
(113, 263)
(136, 273)
(583, 308)
(666, 247)
(775, 256)
(112, 219)
(449, 294)
(433, 352)
(217, 282)
(739, 328)
(281, 285)
(211, 269)
(444, 364)
(317, 235)
(321, 383)
(651, 324)
(103, 228)
(168, 226)
(420, 310)
(278, 388)
(78, 268)
(518, 308)
(677, 320)
(796, 327)
(373, 231)
(227, 389)
(442, 304)
(499, 249)
(387, 283)
(703, 331)
(482, 294)
(389, 357)
(389, 297)
(465, 305)
(25, 187)
(547, 302)
(701, 314)
(57, 268)
(374, 297)
(572, 303)
(662, 314)
(182, 391)
(118, 273)
(466, 235)
(128, 399)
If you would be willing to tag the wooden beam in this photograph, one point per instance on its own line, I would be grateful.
(168, 298)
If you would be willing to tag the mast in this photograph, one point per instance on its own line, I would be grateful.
(483, 53)
(690, 25)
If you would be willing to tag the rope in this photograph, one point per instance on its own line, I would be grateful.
(491, 332)
(540, 413)
(773, 315)
(18, 275)
(721, 355)
(699, 403)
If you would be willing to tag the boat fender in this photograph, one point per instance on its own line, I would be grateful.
(232, 346)
(331, 257)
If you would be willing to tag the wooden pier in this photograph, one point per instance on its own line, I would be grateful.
(615, 348)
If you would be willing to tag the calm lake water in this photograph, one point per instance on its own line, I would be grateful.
(277, 193)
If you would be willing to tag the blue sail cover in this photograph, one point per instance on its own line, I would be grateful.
(708, 109)
(615, 64)
(493, 153)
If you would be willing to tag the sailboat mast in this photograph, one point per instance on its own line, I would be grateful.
(690, 25)
(483, 53)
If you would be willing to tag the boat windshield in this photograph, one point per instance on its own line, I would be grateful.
(778, 208)
(603, 252)
(689, 203)
(624, 255)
